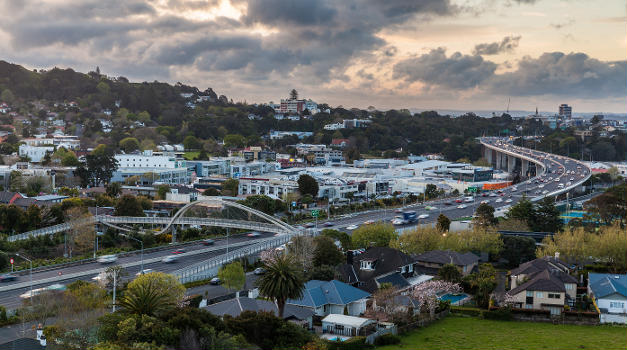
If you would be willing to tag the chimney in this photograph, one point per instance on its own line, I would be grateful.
(557, 255)
(349, 257)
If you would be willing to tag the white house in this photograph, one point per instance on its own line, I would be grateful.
(36, 154)
(346, 325)
(610, 296)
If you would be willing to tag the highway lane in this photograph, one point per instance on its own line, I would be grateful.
(553, 171)
(10, 298)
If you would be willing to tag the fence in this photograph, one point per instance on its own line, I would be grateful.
(209, 268)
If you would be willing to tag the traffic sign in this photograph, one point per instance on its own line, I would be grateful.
(11, 261)
(314, 213)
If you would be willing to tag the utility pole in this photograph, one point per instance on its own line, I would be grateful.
(115, 284)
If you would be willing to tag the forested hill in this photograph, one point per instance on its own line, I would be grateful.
(66, 84)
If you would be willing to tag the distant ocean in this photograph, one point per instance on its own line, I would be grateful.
(517, 114)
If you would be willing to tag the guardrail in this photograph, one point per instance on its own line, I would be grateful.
(208, 268)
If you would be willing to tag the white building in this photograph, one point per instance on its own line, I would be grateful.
(35, 153)
(272, 187)
(281, 134)
(334, 126)
(148, 160)
(610, 296)
(150, 168)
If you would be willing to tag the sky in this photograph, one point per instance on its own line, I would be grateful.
(418, 54)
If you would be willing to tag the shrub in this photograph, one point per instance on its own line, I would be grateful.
(387, 339)
(354, 343)
(470, 311)
(501, 314)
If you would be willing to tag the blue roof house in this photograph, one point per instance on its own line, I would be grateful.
(332, 297)
(610, 295)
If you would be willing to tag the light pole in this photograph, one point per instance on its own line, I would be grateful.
(30, 273)
(142, 250)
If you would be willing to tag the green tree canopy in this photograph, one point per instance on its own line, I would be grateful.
(375, 235)
(326, 252)
(232, 276)
(129, 144)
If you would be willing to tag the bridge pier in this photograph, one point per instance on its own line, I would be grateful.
(488, 155)
(524, 168)
(511, 163)
(173, 233)
(499, 160)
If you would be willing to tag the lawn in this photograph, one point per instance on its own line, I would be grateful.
(455, 332)
(190, 155)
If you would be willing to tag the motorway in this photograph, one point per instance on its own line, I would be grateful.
(553, 171)
(194, 252)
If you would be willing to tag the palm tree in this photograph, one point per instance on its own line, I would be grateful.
(146, 300)
(282, 280)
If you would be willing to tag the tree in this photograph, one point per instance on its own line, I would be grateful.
(484, 215)
(450, 273)
(267, 331)
(260, 202)
(230, 187)
(129, 144)
(233, 276)
(307, 185)
(128, 205)
(423, 239)
(114, 189)
(283, 280)
(294, 94)
(610, 205)
(326, 252)
(343, 237)
(547, 217)
(517, 250)
(431, 191)
(426, 293)
(443, 224)
(211, 192)
(482, 284)
(302, 248)
(82, 235)
(375, 235)
(162, 191)
(191, 142)
(164, 288)
(321, 273)
(7, 96)
(234, 141)
(98, 167)
(144, 299)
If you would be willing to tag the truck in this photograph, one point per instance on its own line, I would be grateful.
(410, 217)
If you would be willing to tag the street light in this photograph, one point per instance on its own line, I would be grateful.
(30, 273)
(142, 250)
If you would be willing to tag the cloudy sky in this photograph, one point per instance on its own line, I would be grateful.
(440, 54)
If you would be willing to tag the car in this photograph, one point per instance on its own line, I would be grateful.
(541, 186)
(423, 216)
(493, 194)
(485, 202)
(398, 210)
(328, 224)
(170, 259)
(107, 259)
(498, 200)
(215, 281)
(398, 221)
(462, 206)
(259, 271)
(368, 222)
(545, 192)
(253, 235)
(572, 179)
(458, 201)
(508, 200)
(7, 277)
(208, 242)
(448, 203)
(179, 251)
(310, 225)
(352, 227)
(144, 271)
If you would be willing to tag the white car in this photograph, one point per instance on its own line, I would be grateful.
(498, 200)
(107, 259)
(144, 271)
(485, 201)
(423, 216)
(398, 222)
(170, 259)
(508, 200)
(541, 186)
(352, 227)
(462, 206)
(545, 192)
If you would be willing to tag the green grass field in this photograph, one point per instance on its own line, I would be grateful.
(456, 332)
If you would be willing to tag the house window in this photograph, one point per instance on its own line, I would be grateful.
(554, 296)
(616, 305)
(569, 286)
(529, 293)
(539, 295)
(326, 308)
(528, 306)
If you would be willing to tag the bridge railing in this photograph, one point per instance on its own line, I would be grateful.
(208, 268)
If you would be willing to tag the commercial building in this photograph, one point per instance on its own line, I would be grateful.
(35, 153)
(272, 187)
(565, 111)
(150, 168)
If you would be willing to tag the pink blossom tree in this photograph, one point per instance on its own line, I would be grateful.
(427, 293)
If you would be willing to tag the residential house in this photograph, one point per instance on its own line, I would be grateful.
(332, 297)
(350, 326)
(525, 271)
(609, 292)
(339, 143)
(7, 197)
(377, 265)
(546, 290)
(432, 261)
(234, 307)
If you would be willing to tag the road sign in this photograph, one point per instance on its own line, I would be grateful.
(314, 213)
(11, 261)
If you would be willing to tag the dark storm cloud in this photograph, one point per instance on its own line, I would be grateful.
(289, 12)
(556, 73)
(456, 71)
(508, 44)
(575, 74)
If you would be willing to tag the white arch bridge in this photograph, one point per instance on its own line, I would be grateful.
(271, 225)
